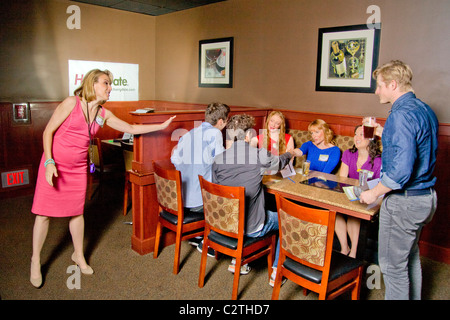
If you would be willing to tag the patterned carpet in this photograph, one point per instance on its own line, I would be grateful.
(122, 274)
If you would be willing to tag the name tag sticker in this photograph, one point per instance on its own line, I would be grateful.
(100, 121)
(323, 157)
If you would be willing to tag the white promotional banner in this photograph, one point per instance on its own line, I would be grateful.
(125, 86)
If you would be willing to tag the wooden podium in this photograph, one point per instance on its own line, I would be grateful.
(158, 146)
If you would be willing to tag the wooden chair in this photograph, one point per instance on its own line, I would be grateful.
(127, 150)
(173, 215)
(306, 256)
(224, 209)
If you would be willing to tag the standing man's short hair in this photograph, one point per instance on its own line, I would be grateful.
(216, 111)
(398, 71)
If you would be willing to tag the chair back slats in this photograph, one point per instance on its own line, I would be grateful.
(303, 239)
(220, 212)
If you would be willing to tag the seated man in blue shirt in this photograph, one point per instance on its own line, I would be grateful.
(195, 152)
(410, 144)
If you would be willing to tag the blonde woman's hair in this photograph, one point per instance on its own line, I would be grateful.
(282, 135)
(327, 132)
(398, 71)
(86, 89)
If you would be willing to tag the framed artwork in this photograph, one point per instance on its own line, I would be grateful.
(21, 113)
(215, 67)
(346, 58)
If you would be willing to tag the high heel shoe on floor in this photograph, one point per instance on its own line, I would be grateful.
(88, 270)
(36, 282)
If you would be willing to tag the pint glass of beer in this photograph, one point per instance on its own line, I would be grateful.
(369, 128)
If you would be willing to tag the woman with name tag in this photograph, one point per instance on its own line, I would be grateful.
(321, 151)
(62, 177)
(364, 155)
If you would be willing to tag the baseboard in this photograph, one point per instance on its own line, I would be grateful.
(434, 252)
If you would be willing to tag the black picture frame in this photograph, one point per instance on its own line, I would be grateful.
(215, 65)
(334, 56)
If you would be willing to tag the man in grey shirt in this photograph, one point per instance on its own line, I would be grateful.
(244, 165)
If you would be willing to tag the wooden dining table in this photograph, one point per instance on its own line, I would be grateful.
(296, 188)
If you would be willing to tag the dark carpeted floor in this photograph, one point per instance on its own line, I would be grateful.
(121, 273)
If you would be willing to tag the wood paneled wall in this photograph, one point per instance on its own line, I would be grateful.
(21, 147)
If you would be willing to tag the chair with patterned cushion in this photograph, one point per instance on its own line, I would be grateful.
(306, 256)
(224, 209)
(173, 215)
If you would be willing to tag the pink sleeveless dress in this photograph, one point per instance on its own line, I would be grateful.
(70, 150)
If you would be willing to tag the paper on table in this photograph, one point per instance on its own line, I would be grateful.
(288, 170)
(145, 110)
(353, 194)
(350, 193)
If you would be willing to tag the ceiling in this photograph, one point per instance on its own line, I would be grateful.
(150, 7)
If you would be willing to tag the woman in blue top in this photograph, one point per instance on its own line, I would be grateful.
(321, 151)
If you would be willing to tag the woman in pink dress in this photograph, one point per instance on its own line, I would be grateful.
(62, 177)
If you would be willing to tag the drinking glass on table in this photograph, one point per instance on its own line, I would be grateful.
(363, 177)
(305, 167)
(369, 125)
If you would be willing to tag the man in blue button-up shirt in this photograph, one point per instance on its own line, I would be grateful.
(195, 152)
(409, 156)
(194, 156)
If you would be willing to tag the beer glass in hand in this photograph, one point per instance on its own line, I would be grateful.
(369, 125)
